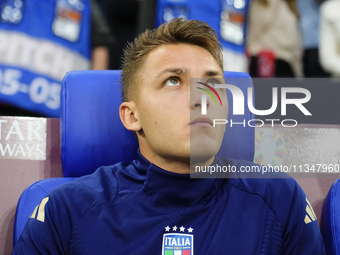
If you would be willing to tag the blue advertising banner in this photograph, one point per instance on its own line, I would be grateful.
(227, 17)
(39, 42)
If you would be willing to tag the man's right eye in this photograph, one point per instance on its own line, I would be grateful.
(172, 82)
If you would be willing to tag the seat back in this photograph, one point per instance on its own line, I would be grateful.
(239, 137)
(92, 134)
(330, 220)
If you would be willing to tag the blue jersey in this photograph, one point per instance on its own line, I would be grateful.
(142, 209)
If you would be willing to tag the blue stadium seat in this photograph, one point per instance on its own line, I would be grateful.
(92, 134)
(330, 220)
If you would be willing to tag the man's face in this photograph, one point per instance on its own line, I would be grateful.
(168, 108)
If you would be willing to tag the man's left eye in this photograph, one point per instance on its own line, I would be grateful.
(172, 82)
(212, 82)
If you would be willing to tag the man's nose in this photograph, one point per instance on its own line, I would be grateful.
(199, 99)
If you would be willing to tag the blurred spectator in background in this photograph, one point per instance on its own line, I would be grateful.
(101, 39)
(39, 42)
(122, 18)
(330, 37)
(309, 11)
(274, 41)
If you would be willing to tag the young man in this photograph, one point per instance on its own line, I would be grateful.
(152, 206)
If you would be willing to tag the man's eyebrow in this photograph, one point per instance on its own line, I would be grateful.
(183, 71)
(213, 73)
(177, 71)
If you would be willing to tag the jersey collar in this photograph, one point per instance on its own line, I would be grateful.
(168, 189)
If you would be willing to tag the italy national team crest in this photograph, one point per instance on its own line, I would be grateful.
(178, 243)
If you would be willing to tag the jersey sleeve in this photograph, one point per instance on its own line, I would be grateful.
(47, 231)
(301, 232)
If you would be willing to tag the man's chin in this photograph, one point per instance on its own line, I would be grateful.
(204, 141)
(204, 146)
(202, 153)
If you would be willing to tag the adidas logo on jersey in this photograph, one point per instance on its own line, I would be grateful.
(310, 215)
(41, 210)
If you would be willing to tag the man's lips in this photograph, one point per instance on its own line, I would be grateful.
(200, 121)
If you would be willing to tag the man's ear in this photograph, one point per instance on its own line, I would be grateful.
(129, 116)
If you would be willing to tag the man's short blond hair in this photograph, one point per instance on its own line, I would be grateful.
(177, 31)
